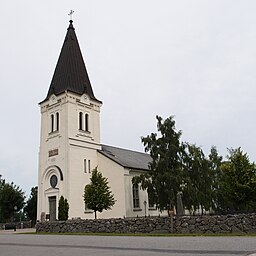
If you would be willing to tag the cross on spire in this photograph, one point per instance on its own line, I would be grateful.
(70, 14)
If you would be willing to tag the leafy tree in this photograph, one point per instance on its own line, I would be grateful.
(200, 191)
(2, 181)
(215, 161)
(30, 208)
(237, 191)
(197, 187)
(206, 182)
(97, 194)
(63, 209)
(11, 200)
(166, 172)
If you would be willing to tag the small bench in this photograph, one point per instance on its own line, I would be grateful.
(10, 226)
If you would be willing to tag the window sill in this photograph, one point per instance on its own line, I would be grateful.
(88, 211)
(137, 209)
(83, 131)
(53, 135)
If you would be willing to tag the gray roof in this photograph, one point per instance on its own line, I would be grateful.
(127, 158)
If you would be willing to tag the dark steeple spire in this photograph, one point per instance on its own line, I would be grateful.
(70, 73)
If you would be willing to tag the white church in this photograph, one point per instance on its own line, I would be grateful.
(70, 146)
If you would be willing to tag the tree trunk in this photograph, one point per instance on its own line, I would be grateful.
(202, 210)
(95, 215)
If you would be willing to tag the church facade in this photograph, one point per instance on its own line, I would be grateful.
(70, 146)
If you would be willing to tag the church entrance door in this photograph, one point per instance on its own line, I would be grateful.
(52, 208)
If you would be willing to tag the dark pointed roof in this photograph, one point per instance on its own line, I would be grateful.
(70, 73)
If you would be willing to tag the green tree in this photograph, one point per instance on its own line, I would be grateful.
(237, 191)
(63, 209)
(11, 200)
(30, 208)
(97, 194)
(166, 173)
(215, 161)
(199, 192)
(196, 166)
(2, 182)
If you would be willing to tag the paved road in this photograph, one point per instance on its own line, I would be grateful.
(53, 245)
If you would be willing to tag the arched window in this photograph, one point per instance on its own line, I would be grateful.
(86, 122)
(52, 123)
(80, 121)
(57, 121)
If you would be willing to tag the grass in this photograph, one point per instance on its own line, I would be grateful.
(147, 234)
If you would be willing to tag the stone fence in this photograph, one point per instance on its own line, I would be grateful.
(19, 225)
(240, 223)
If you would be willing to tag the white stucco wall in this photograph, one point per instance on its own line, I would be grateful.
(78, 178)
(72, 145)
(51, 141)
(115, 174)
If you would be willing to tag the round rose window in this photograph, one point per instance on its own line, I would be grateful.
(53, 181)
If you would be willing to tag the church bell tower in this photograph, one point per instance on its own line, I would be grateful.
(70, 133)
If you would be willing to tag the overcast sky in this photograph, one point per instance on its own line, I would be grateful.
(194, 59)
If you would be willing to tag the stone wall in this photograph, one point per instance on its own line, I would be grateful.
(241, 223)
(19, 225)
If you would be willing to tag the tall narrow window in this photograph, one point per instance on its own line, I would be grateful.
(85, 169)
(86, 122)
(80, 121)
(89, 166)
(57, 121)
(52, 123)
(135, 194)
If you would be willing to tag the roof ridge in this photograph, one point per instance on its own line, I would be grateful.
(125, 149)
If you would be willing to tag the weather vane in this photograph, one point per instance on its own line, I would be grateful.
(70, 14)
